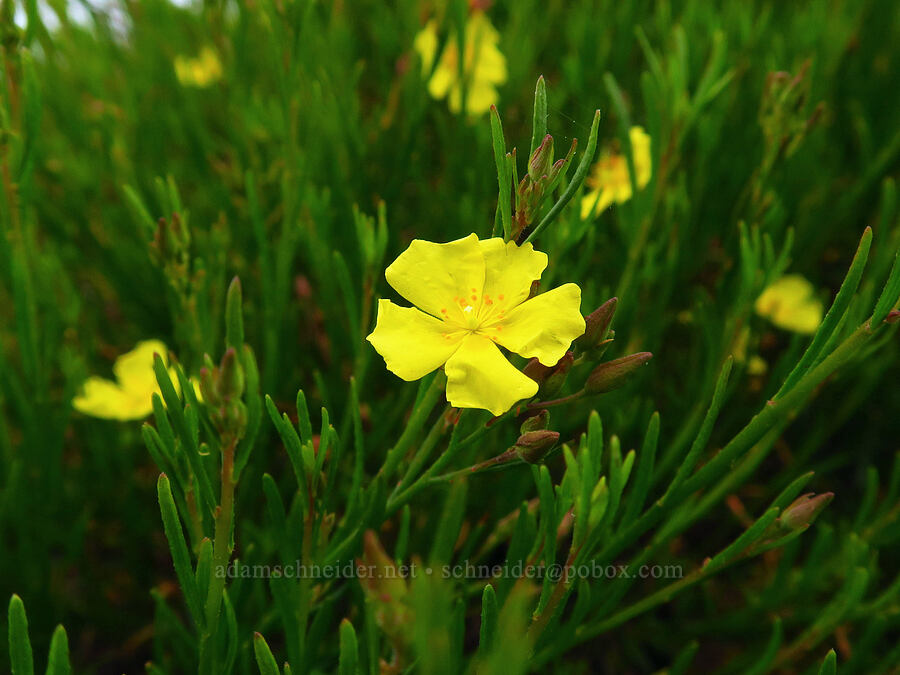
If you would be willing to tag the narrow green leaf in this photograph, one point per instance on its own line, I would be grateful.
(348, 663)
(304, 425)
(204, 571)
(58, 658)
(645, 463)
(539, 122)
(20, 657)
(264, 659)
(178, 546)
(451, 520)
(763, 663)
(890, 294)
(489, 613)
(829, 665)
(702, 438)
(503, 181)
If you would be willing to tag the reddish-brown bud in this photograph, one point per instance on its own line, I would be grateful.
(613, 374)
(533, 446)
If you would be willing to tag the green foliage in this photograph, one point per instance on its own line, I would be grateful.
(358, 522)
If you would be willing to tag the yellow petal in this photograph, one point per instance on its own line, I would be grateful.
(543, 326)
(411, 342)
(480, 96)
(426, 44)
(443, 79)
(640, 149)
(790, 303)
(134, 369)
(508, 272)
(441, 279)
(479, 376)
(599, 200)
(104, 399)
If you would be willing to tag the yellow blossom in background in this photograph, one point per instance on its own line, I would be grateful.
(791, 303)
(201, 71)
(610, 180)
(471, 297)
(484, 64)
(130, 397)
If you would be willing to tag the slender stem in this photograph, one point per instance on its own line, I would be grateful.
(557, 401)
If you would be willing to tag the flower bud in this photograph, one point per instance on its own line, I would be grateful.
(804, 510)
(231, 378)
(533, 446)
(597, 325)
(613, 374)
(557, 377)
(536, 422)
(537, 371)
(542, 159)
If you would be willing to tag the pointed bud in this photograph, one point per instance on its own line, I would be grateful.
(536, 422)
(537, 371)
(231, 375)
(597, 325)
(542, 159)
(613, 374)
(208, 386)
(533, 446)
(557, 378)
(804, 510)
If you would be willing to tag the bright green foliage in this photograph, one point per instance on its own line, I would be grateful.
(692, 490)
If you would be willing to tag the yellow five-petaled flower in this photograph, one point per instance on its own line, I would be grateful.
(130, 397)
(791, 303)
(484, 66)
(200, 71)
(610, 179)
(471, 297)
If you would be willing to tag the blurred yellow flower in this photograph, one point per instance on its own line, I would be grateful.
(484, 66)
(201, 71)
(791, 303)
(473, 296)
(610, 180)
(130, 397)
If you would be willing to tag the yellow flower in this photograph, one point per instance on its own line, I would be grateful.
(130, 397)
(201, 71)
(484, 65)
(610, 180)
(791, 303)
(473, 296)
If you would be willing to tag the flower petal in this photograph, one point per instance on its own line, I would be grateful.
(426, 44)
(134, 369)
(441, 279)
(104, 399)
(543, 326)
(479, 376)
(597, 199)
(509, 271)
(411, 342)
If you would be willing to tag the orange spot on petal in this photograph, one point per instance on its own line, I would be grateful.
(500, 296)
